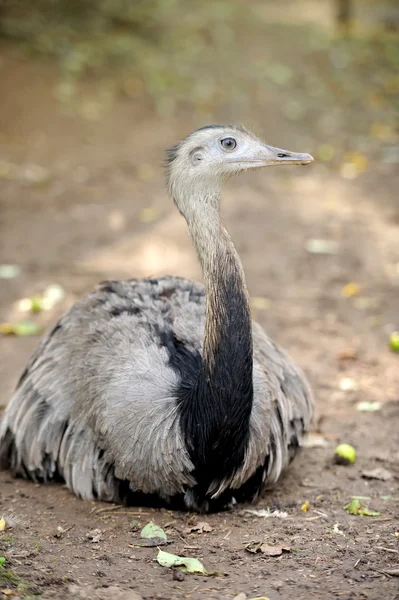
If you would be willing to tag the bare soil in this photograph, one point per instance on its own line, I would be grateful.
(83, 221)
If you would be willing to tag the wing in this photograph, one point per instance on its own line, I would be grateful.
(95, 403)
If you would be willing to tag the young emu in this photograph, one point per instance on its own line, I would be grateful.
(163, 391)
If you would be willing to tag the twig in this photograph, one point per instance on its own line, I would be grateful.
(387, 549)
(227, 534)
(106, 509)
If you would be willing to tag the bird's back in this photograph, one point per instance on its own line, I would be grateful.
(98, 394)
(97, 405)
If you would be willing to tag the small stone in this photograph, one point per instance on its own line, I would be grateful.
(277, 585)
(178, 575)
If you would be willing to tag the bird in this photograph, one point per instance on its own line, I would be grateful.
(164, 391)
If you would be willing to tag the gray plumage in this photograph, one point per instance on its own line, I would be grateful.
(98, 404)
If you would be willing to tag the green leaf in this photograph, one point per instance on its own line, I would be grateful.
(22, 329)
(192, 565)
(368, 406)
(153, 531)
(9, 271)
(358, 507)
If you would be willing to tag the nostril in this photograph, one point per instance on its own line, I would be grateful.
(282, 155)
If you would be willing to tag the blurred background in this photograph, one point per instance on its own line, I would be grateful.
(92, 92)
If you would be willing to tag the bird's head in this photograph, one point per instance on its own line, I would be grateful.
(210, 155)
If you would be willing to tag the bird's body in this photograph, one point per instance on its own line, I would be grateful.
(161, 390)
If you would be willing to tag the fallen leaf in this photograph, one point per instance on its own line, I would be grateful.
(241, 596)
(201, 527)
(2, 524)
(348, 384)
(9, 271)
(51, 296)
(305, 506)
(314, 246)
(21, 329)
(347, 354)
(350, 289)
(377, 473)
(258, 547)
(368, 406)
(358, 507)
(151, 530)
(392, 572)
(192, 565)
(274, 550)
(265, 512)
(153, 535)
(94, 536)
(314, 440)
(336, 529)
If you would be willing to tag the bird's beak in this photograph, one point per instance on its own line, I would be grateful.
(277, 156)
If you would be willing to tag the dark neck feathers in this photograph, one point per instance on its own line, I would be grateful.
(216, 419)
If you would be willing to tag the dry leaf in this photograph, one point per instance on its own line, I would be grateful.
(257, 547)
(347, 353)
(201, 527)
(377, 473)
(265, 512)
(2, 524)
(274, 550)
(350, 289)
(94, 536)
(315, 440)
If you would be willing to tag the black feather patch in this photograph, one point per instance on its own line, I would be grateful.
(215, 409)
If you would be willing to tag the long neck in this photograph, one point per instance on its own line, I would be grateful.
(227, 350)
(219, 409)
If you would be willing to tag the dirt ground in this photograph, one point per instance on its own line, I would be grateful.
(97, 209)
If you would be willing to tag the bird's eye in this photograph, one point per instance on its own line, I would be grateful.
(228, 144)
